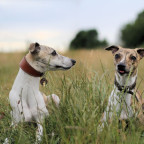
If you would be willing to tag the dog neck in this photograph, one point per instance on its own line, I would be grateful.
(27, 75)
(24, 79)
(37, 65)
(125, 83)
(26, 67)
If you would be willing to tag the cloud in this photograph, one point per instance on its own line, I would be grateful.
(16, 40)
(15, 34)
(12, 46)
(55, 22)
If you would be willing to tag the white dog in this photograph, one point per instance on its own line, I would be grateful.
(27, 102)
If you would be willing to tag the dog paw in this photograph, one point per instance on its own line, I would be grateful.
(38, 139)
(6, 141)
(56, 99)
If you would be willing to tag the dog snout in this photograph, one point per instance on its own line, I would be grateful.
(73, 61)
(121, 66)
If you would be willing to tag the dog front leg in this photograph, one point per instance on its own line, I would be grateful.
(103, 121)
(6, 141)
(55, 99)
(39, 133)
(111, 107)
(52, 97)
(13, 125)
(107, 115)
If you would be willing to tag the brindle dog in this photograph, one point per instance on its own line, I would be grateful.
(124, 95)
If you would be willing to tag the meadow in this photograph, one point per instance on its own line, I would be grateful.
(83, 91)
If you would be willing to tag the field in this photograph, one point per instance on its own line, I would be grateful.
(83, 91)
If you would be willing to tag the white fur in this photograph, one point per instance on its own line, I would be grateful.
(25, 98)
(27, 101)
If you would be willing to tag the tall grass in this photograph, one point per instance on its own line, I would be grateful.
(83, 91)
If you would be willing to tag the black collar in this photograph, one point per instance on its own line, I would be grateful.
(125, 89)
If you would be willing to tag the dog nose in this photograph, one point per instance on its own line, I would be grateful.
(73, 62)
(121, 66)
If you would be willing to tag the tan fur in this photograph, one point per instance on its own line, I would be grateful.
(32, 46)
(126, 54)
(131, 66)
(29, 57)
(43, 53)
(137, 101)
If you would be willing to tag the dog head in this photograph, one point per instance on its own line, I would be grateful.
(126, 60)
(44, 58)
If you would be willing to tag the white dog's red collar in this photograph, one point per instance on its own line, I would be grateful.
(26, 67)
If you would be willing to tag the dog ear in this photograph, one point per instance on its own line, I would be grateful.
(140, 51)
(34, 48)
(112, 48)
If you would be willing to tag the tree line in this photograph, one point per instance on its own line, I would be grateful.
(131, 35)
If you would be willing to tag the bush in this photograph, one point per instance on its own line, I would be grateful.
(132, 34)
(87, 39)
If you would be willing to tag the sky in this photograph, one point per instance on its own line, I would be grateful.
(55, 22)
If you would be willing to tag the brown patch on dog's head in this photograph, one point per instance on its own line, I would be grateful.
(34, 48)
(140, 51)
(39, 52)
(126, 60)
(113, 49)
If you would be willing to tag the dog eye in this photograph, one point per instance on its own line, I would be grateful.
(117, 56)
(54, 53)
(133, 58)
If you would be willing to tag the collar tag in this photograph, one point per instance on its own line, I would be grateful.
(43, 81)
